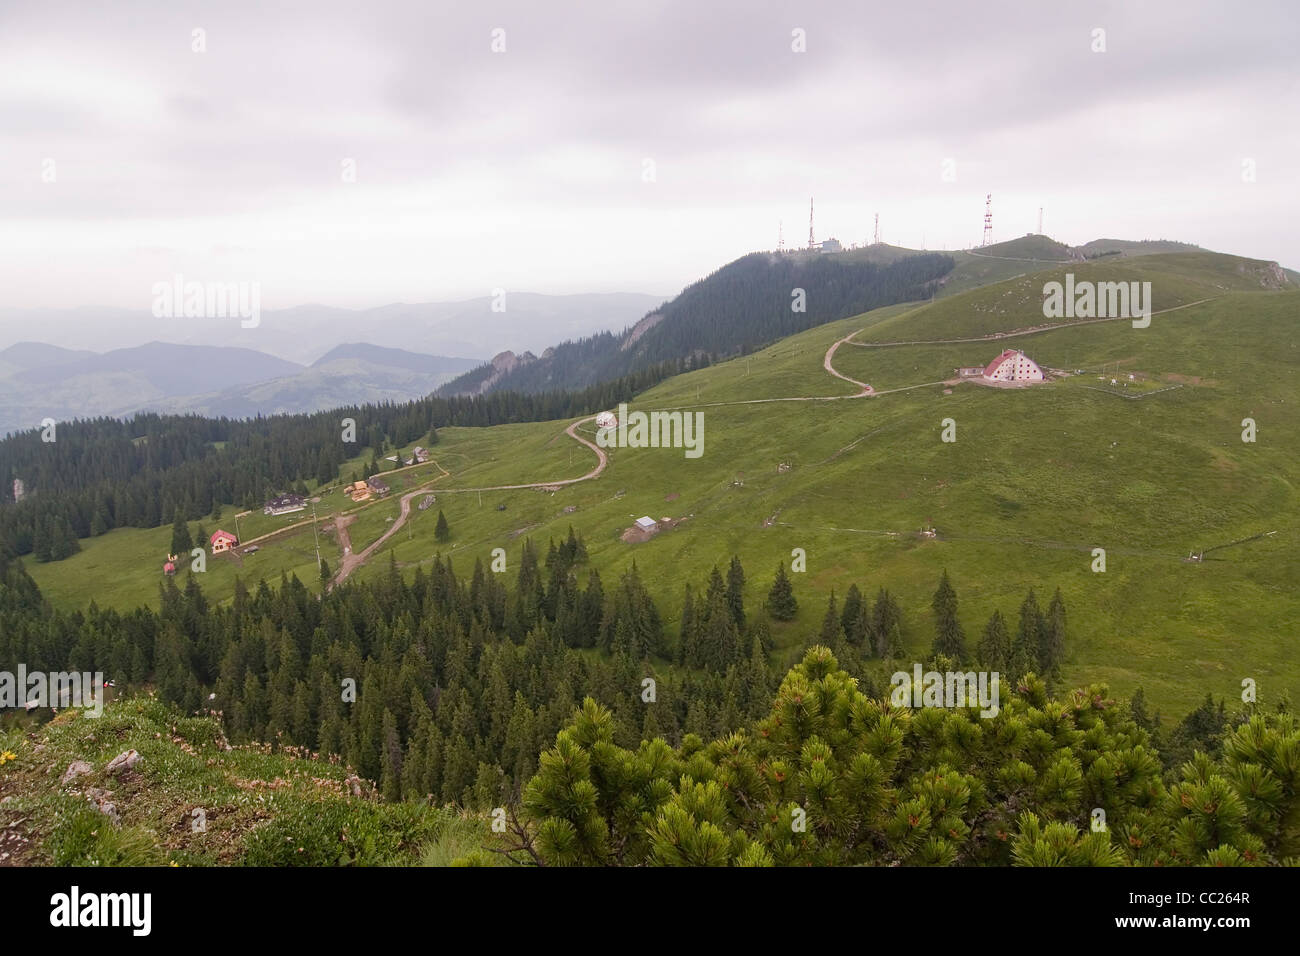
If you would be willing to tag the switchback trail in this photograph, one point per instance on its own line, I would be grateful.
(351, 562)
(1032, 330)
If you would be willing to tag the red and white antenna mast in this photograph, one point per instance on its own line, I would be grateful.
(812, 243)
(988, 220)
(780, 236)
(876, 238)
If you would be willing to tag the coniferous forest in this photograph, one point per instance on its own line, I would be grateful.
(563, 704)
(138, 472)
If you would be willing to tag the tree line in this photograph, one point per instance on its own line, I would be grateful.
(447, 689)
(105, 473)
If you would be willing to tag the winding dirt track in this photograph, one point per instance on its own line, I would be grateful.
(995, 336)
(826, 364)
(353, 561)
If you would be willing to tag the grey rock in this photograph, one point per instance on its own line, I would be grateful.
(75, 769)
(123, 761)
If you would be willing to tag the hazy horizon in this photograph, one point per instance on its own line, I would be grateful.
(354, 162)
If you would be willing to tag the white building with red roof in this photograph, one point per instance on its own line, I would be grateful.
(1013, 366)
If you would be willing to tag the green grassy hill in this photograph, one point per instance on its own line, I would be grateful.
(194, 800)
(1037, 478)
(1128, 247)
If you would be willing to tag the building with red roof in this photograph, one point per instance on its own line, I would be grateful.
(1013, 366)
(222, 541)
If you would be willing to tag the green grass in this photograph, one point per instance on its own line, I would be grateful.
(124, 567)
(258, 807)
(1037, 479)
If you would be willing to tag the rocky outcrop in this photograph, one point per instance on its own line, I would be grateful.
(503, 363)
(102, 800)
(1269, 274)
(640, 329)
(75, 769)
(123, 761)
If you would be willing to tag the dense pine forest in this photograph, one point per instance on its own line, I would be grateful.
(741, 307)
(447, 690)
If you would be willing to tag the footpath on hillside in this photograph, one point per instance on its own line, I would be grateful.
(352, 561)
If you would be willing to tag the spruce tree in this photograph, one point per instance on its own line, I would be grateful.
(994, 649)
(886, 625)
(949, 639)
(736, 592)
(1051, 651)
(832, 632)
(181, 540)
(441, 531)
(853, 619)
(1028, 638)
(781, 603)
(687, 653)
(719, 639)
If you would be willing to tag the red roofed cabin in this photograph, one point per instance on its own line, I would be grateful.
(1013, 366)
(223, 541)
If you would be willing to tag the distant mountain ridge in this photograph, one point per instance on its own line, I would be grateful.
(395, 358)
(473, 328)
(168, 368)
(39, 381)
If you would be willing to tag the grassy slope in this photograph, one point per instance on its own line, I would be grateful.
(1037, 478)
(261, 808)
(1018, 506)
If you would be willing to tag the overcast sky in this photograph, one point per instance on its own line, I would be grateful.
(527, 169)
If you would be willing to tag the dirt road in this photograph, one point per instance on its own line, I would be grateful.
(830, 354)
(995, 336)
(354, 560)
